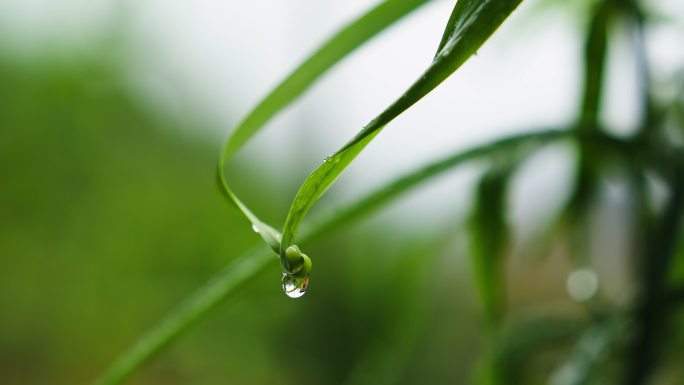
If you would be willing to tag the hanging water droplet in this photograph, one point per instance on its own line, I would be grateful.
(294, 287)
(255, 229)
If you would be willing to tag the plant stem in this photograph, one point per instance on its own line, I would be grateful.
(649, 119)
(676, 297)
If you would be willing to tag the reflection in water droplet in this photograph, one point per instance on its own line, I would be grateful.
(582, 284)
(255, 228)
(294, 287)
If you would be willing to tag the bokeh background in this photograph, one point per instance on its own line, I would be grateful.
(111, 118)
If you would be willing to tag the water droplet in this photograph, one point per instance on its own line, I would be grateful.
(294, 287)
(255, 228)
(582, 284)
(331, 159)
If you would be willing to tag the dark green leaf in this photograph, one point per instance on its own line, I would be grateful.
(473, 22)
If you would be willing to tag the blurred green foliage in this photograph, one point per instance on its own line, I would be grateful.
(110, 216)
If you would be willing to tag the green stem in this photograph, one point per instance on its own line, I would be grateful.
(676, 297)
(228, 281)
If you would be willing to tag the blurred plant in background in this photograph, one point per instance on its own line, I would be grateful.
(110, 217)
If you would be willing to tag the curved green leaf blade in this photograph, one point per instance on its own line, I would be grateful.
(270, 235)
(473, 22)
(332, 52)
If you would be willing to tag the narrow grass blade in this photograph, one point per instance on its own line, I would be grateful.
(489, 240)
(387, 352)
(332, 52)
(473, 22)
(448, 31)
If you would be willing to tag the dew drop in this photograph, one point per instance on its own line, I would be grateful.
(582, 284)
(255, 229)
(331, 159)
(294, 287)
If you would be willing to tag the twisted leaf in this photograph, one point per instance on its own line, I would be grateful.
(472, 22)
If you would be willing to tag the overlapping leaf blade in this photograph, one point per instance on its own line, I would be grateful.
(332, 52)
(472, 22)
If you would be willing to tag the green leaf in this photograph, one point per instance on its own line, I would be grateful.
(244, 268)
(489, 240)
(332, 52)
(587, 178)
(472, 21)
(448, 30)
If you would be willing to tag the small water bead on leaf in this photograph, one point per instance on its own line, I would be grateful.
(255, 229)
(294, 287)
